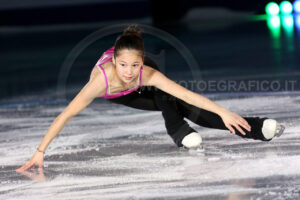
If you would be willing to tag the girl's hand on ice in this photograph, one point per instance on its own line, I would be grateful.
(231, 119)
(38, 176)
(37, 158)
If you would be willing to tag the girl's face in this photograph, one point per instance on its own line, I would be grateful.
(128, 64)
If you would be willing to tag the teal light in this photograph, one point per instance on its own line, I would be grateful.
(288, 25)
(286, 7)
(272, 8)
(288, 21)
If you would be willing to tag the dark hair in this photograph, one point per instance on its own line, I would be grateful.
(130, 39)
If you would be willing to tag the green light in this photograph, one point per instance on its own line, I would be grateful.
(273, 23)
(286, 7)
(272, 8)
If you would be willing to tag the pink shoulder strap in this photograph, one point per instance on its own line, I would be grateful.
(105, 79)
(141, 73)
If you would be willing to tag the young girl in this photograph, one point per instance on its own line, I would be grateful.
(124, 75)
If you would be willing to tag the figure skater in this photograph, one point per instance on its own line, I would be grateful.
(125, 75)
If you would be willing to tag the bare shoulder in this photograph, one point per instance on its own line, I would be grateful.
(108, 66)
(157, 79)
(148, 73)
(98, 72)
(97, 83)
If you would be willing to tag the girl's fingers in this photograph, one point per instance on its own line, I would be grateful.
(26, 166)
(41, 166)
(239, 129)
(19, 169)
(29, 164)
(22, 168)
(237, 126)
(246, 124)
(248, 127)
(231, 129)
(238, 122)
(242, 122)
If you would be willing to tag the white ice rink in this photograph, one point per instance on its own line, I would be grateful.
(110, 151)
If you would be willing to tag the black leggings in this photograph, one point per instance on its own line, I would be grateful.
(174, 110)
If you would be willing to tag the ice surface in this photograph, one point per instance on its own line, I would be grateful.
(110, 151)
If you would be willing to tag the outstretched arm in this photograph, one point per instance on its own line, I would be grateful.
(94, 88)
(159, 80)
(87, 94)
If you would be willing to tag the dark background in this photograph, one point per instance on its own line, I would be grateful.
(229, 40)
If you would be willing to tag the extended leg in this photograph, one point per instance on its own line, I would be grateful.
(211, 120)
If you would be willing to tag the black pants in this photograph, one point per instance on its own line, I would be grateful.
(174, 111)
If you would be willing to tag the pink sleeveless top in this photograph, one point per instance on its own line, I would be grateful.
(107, 57)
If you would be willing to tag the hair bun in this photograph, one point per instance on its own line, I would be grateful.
(133, 29)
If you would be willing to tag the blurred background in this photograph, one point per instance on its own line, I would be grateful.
(226, 40)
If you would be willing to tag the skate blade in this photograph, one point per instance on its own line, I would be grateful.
(279, 130)
(197, 149)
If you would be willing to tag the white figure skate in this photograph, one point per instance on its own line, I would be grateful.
(272, 128)
(192, 141)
